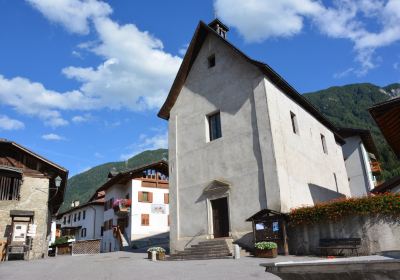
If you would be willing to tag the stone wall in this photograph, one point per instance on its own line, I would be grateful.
(377, 233)
(34, 197)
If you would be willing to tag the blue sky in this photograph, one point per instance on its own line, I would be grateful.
(81, 82)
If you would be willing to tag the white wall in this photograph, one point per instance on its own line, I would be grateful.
(265, 164)
(92, 223)
(116, 192)
(357, 166)
(158, 222)
(306, 173)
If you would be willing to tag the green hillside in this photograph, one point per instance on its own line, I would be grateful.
(82, 186)
(347, 106)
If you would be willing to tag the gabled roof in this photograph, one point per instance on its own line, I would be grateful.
(365, 136)
(128, 174)
(56, 196)
(193, 50)
(387, 117)
(26, 150)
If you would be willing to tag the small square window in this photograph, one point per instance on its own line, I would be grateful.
(211, 61)
(214, 125)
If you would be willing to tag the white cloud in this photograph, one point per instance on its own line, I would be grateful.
(344, 73)
(74, 15)
(182, 51)
(136, 73)
(158, 141)
(7, 123)
(81, 118)
(52, 137)
(258, 20)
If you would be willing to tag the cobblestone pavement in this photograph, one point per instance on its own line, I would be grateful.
(124, 265)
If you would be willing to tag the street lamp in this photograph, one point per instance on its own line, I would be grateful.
(58, 181)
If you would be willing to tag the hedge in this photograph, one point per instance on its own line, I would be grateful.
(387, 204)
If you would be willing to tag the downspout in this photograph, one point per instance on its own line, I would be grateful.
(94, 221)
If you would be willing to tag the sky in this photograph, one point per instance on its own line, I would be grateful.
(81, 81)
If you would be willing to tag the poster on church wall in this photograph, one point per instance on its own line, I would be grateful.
(158, 209)
(31, 230)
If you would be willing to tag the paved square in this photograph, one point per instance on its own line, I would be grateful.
(124, 265)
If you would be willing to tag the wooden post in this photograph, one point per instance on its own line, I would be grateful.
(284, 233)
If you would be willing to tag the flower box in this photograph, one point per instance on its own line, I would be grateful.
(266, 253)
(160, 253)
(266, 249)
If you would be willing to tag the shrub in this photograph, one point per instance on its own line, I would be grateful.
(386, 204)
(266, 245)
(61, 240)
(156, 249)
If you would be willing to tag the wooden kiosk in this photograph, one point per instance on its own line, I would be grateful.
(270, 225)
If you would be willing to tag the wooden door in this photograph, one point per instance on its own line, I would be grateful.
(220, 217)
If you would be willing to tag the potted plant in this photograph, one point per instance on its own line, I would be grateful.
(266, 249)
(160, 253)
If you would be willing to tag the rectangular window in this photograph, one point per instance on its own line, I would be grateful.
(294, 123)
(10, 187)
(145, 197)
(83, 232)
(323, 142)
(83, 214)
(166, 198)
(145, 219)
(214, 124)
(79, 216)
(336, 183)
(102, 231)
(75, 217)
(69, 219)
(65, 220)
(211, 61)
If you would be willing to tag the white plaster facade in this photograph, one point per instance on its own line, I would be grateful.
(358, 167)
(86, 221)
(266, 164)
(135, 231)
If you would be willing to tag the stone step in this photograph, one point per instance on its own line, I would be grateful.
(224, 252)
(213, 242)
(208, 257)
(207, 246)
(203, 252)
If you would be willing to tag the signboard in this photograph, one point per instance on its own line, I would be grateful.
(259, 226)
(158, 209)
(275, 226)
(32, 230)
(19, 232)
